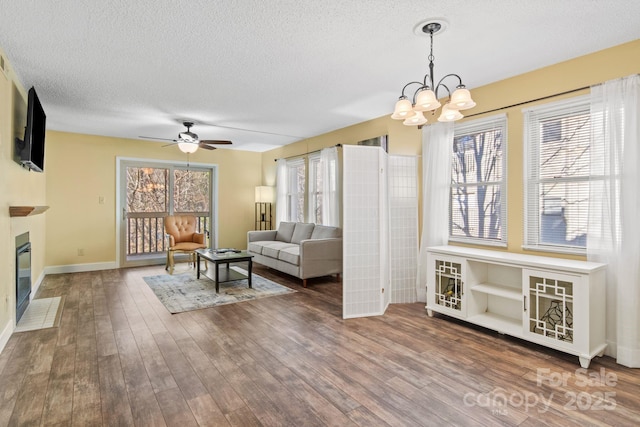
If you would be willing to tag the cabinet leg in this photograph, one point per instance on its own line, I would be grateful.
(429, 312)
(584, 362)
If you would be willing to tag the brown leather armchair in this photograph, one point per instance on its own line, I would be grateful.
(182, 237)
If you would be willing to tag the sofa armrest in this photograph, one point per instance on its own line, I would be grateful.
(321, 249)
(320, 257)
(261, 235)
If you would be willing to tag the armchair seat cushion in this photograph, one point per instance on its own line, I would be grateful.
(187, 246)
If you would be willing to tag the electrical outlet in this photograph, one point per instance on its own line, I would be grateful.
(80, 252)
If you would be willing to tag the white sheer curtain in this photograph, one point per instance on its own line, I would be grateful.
(437, 142)
(614, 209)
(330, 194)
(281, 191)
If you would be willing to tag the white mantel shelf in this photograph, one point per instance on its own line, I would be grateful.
(26, 210)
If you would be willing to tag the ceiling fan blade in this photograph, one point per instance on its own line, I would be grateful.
(170, 144)
(206, 146)
(215, 141)
(157, 139)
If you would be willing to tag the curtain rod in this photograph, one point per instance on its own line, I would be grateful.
(307, 153)
(530, 101)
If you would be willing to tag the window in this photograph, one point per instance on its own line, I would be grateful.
(308, 188)
(315, 189)
(477, 209)
(557, 161)
(296, 187)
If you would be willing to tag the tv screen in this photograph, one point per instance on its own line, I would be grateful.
(32, 148)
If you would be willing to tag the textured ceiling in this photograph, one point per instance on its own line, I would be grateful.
(280, 70)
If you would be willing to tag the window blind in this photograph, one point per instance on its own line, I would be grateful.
(478, 205)
(557, 173)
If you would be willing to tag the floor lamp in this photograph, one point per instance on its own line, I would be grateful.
(264, 199)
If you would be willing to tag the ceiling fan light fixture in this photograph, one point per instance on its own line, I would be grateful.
(188, 147)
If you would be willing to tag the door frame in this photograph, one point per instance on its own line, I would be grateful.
(120, 230)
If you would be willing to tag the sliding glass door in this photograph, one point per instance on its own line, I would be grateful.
(151, 190)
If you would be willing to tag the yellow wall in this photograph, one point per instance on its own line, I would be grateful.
(18, 187)
(82, 168)
(591, 69)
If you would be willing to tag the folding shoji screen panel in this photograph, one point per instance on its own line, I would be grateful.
(365, 246)
(403, 227)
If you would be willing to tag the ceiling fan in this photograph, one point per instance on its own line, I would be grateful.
(188, 142)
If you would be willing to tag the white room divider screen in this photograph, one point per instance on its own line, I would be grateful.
(364, 251)
(380, 230)
(403, 227)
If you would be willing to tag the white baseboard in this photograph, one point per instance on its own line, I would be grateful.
(79, 268)
(6, 334)
(612, 349)
(35, 286)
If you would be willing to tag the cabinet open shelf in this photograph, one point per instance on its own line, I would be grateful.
(499, 290)
(502, 324)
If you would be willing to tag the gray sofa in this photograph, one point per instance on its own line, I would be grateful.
(299, 249)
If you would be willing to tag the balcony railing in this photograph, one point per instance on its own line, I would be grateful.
(145, 232)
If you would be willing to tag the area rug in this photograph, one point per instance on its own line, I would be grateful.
(183, 292)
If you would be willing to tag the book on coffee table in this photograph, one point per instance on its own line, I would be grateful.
(225, 250)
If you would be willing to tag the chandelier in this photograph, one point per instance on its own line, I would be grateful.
(425, 97)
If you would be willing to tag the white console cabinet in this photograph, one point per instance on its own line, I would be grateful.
(558, 303)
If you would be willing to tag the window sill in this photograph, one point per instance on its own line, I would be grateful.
(479, 242)
(556, 250)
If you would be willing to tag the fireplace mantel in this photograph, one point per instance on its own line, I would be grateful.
(26, 210)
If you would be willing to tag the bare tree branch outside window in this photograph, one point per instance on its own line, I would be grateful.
(476, 185)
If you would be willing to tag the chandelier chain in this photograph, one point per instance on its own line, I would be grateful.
(431, 58)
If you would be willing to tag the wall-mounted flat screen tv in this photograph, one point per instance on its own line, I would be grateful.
(30, 151)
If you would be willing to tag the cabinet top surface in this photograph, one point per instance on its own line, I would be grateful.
(524, 260)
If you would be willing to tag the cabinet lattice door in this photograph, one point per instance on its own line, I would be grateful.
(449, 285)
(550, 307)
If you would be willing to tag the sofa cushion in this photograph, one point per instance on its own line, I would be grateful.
(285, 231)
(302, 232)
(272, 249)
(290, 255)
(325, 232)
(256, 247)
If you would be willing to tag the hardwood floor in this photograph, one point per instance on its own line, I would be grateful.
(119, 358)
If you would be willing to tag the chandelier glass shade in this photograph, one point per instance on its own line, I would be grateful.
(425, 97)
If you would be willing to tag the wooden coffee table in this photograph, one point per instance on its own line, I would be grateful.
(224, 258)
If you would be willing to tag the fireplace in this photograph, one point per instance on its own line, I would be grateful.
(23, 274)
